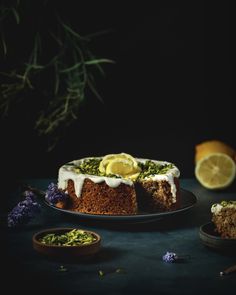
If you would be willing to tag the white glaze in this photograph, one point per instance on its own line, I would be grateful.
(216, 208)
(169, 176)
(66, 172)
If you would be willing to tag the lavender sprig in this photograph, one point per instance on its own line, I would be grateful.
(24, 211)
(55, 195)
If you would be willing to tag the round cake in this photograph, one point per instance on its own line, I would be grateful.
(119, 184)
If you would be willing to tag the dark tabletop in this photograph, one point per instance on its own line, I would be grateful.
(134, 248)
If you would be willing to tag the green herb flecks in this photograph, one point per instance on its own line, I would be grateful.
(91, 167)
(62, 268)
(103, 273)
(227, 203)
(120, 270)
(150, 168)
(74, 237)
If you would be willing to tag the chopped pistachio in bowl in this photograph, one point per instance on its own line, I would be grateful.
(66, 242)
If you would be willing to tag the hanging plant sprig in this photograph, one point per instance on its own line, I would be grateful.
(73, 75)
(7, 11)
(20, 80)
(61, 79)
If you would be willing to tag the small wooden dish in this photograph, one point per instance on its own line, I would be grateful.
(213, 240)
(65, 251)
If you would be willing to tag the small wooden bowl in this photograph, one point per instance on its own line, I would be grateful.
(65, 251)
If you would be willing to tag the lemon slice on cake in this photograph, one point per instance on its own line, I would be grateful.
(122, 164)
(215, 166)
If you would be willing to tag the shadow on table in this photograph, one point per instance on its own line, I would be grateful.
(183, 220)
(104, 255)
(222, 252)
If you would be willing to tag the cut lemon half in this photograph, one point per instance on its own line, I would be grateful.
(215, 171)
(213, 146)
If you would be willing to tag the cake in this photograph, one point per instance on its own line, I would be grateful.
(224, 219)
(119, 184)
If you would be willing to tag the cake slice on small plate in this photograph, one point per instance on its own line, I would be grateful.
(224, 218)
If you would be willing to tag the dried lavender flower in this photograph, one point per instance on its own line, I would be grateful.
(54, 194)
(173, 257)
(24, 211)
(170, 257)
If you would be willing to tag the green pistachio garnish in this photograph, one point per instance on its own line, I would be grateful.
(62, 268)
(74, 237)
(120, 270)
(226, 203)
(150, 168)
(91, 167)
(101, 273)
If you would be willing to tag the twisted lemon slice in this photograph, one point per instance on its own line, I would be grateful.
(123, 165)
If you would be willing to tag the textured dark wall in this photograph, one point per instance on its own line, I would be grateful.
(169, 89)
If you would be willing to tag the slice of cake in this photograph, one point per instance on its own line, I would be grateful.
(158, 186)
(224, 218)
(118, 184)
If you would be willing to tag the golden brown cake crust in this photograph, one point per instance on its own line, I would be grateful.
(145, 196)
(225, 223)
(156, 196)
(99, 198)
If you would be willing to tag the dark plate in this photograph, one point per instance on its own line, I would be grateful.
(187, 197)
(211, 239)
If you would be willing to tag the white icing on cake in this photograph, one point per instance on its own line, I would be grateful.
(67, 172)
(217, 208)
(169, 176)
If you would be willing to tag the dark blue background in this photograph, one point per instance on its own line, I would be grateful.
(169, 89)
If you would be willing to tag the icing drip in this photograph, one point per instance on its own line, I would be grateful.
(66, 172)
(169, 176)
(216, 208)
(170, 179)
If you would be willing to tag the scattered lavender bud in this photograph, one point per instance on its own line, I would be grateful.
(55, 195)
(173, 257)
(170, 257)
(24, 211)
